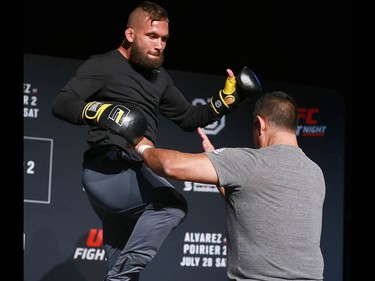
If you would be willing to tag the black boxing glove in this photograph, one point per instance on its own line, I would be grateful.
(236, 90)
(248, 84)
(124, 120)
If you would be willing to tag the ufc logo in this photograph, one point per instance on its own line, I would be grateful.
(308, 115)
(95, 238)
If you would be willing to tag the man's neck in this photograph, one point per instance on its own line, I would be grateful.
(123, 52)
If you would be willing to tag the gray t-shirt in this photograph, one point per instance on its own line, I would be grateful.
(274, 206)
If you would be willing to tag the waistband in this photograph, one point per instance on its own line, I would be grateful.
(105, 151)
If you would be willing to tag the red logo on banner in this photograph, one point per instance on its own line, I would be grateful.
(95, 238)
(307, 114)
(308, 123)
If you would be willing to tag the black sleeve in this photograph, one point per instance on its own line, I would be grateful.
(83, 87)
(187, 116)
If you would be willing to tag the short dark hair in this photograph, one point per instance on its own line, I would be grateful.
(155, 11)
(278, 108)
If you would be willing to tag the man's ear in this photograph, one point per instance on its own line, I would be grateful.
(261, 123)
(256, 123)
(129, 34)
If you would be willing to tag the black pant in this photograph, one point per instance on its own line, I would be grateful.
(138, 210)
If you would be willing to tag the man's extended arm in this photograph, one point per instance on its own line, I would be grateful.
(177, 165)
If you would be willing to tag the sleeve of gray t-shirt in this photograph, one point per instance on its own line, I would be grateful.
(233, 164)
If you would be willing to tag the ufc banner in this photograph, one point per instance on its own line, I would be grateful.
(62, 237)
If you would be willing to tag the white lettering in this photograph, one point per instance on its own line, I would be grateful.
(200, 187)
(89, 254)
(33, 100)
(30, 112)
(78, 252)
(203, 237)
(190, 261)
(196, 249)
(311, 130)
(26, 88)
(220, 262)
(314, 129)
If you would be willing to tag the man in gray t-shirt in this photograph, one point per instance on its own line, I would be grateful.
(274, 194)
(274, 206)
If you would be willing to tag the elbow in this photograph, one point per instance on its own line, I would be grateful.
(58, 112)
(54, 110)
(68, 109)
(57, 108)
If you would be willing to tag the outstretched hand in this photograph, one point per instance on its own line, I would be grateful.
(206, 143)
(207, 147)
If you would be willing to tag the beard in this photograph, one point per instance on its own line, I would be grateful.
(140, 60)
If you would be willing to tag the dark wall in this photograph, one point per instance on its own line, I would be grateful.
(62, 235)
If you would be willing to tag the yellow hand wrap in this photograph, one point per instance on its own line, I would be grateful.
(229, 88)
(226, 97)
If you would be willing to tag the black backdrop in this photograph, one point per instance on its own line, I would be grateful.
(301, 42)
(62, 236)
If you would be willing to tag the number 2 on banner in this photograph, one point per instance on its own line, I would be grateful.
(30, 167)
